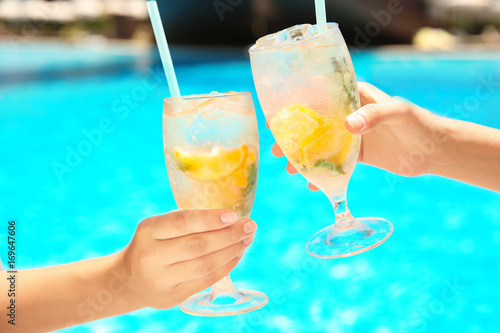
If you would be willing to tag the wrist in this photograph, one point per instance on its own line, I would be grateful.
(442, 135)
(118, 283)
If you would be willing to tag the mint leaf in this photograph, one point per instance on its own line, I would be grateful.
(348, 92)
(351, 97)
(251, 177)
(329, 165)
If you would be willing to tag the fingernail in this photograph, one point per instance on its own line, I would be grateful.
(228, 217)
(248, 240)
(356, 120)
(249, 227)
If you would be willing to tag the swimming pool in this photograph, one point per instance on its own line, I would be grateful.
(438, 272)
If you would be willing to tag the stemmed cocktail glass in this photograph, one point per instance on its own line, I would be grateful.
(306, 86)
(211, 148)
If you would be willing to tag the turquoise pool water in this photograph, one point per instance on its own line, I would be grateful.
(438, 272)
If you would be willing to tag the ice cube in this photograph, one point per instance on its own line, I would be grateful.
(301, 32)
(286, 37)
(265, 42)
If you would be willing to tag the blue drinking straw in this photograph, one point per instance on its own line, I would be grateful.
(320, 15)
(161, 41)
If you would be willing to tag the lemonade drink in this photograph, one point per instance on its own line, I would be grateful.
(212, 151)
(211, 145)
(306, 87)
(219, 178)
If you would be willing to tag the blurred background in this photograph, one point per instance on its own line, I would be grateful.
(78, 190)
(240, 22)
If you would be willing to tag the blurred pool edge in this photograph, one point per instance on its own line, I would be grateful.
(49, 60)
(42, 60)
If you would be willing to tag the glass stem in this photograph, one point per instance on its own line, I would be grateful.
(224, 286)
(343, 217)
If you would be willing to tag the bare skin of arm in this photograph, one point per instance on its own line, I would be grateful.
(405, 139)
(170, 258)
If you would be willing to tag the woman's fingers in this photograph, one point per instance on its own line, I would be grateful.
(276, 151)
(313, 188)
(197, 245)
(290, 169)
(372, 115)
(188, 288)
(184, 222)
(199, 267)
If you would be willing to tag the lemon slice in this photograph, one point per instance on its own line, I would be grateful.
(309, 139)
(242, 174)
(340, 157)
(291, 125)
(330, 142)
(219, 163)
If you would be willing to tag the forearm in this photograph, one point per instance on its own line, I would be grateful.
(468, 152)
(56, 297)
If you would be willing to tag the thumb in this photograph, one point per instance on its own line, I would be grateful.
(372, 115)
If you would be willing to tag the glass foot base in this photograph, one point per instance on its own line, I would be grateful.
(360, 236)
(224, 304)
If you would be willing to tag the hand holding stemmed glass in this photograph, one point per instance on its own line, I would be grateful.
(211, 148)
(306, 86)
